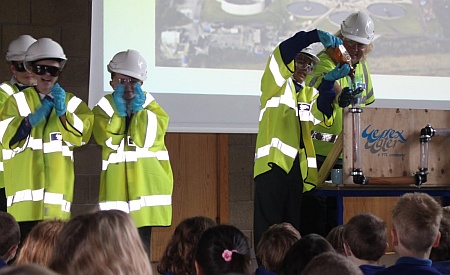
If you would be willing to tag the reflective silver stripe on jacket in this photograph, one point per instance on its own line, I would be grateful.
(3, 126)
(276, 143)
(39, 195)
(37, 144)
(22, 104)
(131, 156)
(7, 88)
(369, 94)
(72, 105)
(274, 102)
(106, 106)
(152, 128)
(135, 205)
(275, 70)
(323, 136)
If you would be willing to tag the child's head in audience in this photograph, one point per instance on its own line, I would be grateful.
(331, 263)
(38, 245)
(222, 249)
(415, 225)
(103, 242)
(27, 269)
(365, 238)
(274, 244)
(9, 237)
(442, 251)
(335, 238)
(178, 257)
(303, 251)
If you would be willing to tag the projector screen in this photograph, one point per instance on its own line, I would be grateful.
(205, 58)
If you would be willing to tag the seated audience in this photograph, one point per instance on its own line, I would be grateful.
(9, 238)
(104, 242)
(334, 237)
(302, 252)
(178, 257)
(38, 244)
(331, 263)
(440, 255)
(222, 249)
(365, 241)
(415, 230)
(272, 247)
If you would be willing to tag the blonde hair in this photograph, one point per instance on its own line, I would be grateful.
(416, 218)
(26, 269)
(38, 245)
(103, 242)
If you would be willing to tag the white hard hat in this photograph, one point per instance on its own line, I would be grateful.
(358, 27)
(309, 51)
(44, 48)
(18, 47)
(129, 63)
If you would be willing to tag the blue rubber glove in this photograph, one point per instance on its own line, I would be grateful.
(41, 112)
(138, 99)
(340, 71)
(59, 98)
(121, 104)
(329, 40)
(347, 96)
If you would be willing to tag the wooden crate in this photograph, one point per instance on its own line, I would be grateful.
(394, 151)
(390, 144)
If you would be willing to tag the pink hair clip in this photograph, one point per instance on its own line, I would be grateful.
(226, 255)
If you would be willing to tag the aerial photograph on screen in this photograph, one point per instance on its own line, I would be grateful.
(412, 37)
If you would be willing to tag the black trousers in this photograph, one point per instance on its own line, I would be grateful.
(2, 200)
(278, 198)
(25, 228)
(318, 213)
(145, 233)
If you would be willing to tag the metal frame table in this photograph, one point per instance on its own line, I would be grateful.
(348, 190)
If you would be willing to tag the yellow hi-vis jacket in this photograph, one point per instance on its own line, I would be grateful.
(136, 174)
(331, 132)
(39, 170)
(285, 119)
(6, 89)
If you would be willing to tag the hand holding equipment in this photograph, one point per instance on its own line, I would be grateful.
(347, 96)
(340, 71)
(329, 40)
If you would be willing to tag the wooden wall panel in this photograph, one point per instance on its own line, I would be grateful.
(199, 163)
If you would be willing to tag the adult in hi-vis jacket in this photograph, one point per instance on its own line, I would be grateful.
(40, 126)
(130, 126)
(285, 163)
(357, 34)
(20, 80)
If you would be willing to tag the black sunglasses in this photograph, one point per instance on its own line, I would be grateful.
(19, 67)
(42, 69)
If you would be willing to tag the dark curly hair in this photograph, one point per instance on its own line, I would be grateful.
(178, 257)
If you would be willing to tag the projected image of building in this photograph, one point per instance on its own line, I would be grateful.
(240, 34)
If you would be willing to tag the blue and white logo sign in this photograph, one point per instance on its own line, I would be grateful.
(380, 141)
